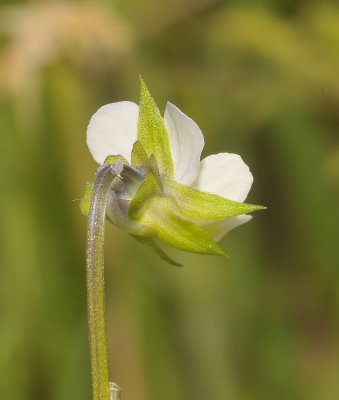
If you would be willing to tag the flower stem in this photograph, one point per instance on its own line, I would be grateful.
(95, 282)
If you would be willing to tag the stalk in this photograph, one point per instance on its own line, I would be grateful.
(101, 389)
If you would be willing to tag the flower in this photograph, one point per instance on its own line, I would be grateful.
(164, 191)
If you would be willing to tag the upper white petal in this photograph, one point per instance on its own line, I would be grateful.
(187, 142)
(112, 130)
(226, 175)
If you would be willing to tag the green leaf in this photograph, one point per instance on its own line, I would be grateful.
(152, 133)
(113, 159)
(201, 205)
(158, 213)
(142, 162)
(86, 198)
(151, 186)
(155, 167)
(158, 250)
(139, 158)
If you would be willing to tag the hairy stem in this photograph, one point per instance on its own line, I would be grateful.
(95, 281)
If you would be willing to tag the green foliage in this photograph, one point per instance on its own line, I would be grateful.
(158, 213)
(139, 158)
(149, 188)
(158, 250)
(112, 159)
(200, 205)
(152, 133)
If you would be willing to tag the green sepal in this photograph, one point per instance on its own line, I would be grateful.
(152, 132)
(113, 159)
(195, 204)
(158, 250)
(151, 186)
(155, 168)
(143, 163)
(139, 158)
(86, 198)
(159, 214)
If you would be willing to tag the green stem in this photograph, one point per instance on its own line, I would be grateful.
(95, 281)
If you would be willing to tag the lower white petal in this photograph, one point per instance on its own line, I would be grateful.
(187, 142)
(112, 130)
(217, 229)
(226, 175)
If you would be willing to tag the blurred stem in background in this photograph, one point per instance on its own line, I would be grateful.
(101, 388)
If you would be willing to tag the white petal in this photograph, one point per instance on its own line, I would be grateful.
(187, 142)
(217, 229)
(112, 130)
(226, 175)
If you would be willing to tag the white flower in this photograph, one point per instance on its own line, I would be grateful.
(175, 143)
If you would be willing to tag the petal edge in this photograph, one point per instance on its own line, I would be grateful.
(226, 175)
(187, 142)
(113, 130)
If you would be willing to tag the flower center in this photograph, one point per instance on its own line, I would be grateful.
(130, 181)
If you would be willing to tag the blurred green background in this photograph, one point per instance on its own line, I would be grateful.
(261, 78)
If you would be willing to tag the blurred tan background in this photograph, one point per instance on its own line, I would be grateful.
(261, 78)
